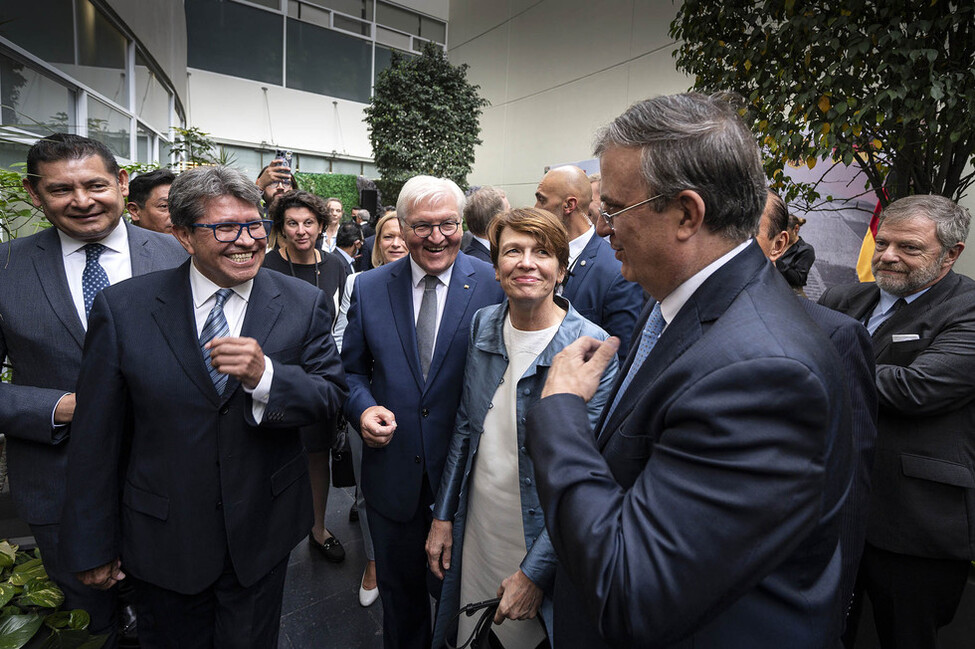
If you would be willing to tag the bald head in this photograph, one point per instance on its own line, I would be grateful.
(566, 193)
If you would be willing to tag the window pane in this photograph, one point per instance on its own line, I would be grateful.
(313, 15)
(351, 25)
(143, 141)
(12, 153)
(234, 39)
(369, 170)
(398, 18)
(346, 167)
(32, 101)
(43, 27)
(101, 55)
(270, 4)
(311, 164)
(151, 97)
(165, 155)
(356, 8)
(328, 63)
(247, 160)
(109, 126)
(433, 30)
(401, 41)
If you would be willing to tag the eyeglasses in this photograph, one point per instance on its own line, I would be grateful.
(230, 232)
(424, 230)
(609, 217)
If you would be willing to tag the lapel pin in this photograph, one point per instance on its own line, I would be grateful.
(466, 286)
(582, 262)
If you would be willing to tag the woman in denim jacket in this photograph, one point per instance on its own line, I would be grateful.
(487, 511)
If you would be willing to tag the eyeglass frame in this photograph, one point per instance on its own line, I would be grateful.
(240, 228)
(439, 226)
(609, 217)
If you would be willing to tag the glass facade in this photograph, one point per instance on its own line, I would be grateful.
(345, 72)
(235, 39)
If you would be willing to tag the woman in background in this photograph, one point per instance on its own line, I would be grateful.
(798, 258)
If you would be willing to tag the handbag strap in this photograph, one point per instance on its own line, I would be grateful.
(483, 625)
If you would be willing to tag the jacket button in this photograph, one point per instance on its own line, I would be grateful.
(524, 449)
(528, 480)
(527, 391)
(490, 405)
(225, 410)
(531, 512)
(416, 459)
(219, 504)
(501, 381)
(425, 412)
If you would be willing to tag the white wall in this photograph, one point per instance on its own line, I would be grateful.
(554, 72)
(235, 109)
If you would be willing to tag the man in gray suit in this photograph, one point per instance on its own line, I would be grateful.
(47, 284)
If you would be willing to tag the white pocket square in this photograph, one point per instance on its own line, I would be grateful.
(903, 338)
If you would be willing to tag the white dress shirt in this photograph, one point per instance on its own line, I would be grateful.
(885, 308)
(671, 305)
(204, 294)
(115, 259)
(577, 245)
(418, 275)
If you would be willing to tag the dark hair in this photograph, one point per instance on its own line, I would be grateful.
(348, 233)
(778, 215)
(142, 185)
(297, 198)
(547, 229)
(65, 146)
(695, 142)
(190, 192)
(482, 206)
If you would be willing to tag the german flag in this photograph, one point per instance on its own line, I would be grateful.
(866, 248)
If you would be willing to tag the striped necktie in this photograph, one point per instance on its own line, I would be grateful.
(215, 327)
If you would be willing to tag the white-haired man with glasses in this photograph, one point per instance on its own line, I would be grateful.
(187, 471)
(404, 351)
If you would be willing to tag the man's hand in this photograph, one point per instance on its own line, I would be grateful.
(64, 411)
(102, 577)
(377, 425)
(520, 598)
(439, 541)
(578, 368)
(241, 358)
(276, 172)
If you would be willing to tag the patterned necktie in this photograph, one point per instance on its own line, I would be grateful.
(651, 332)
(426, 323)
(93, 277)
(215, 327)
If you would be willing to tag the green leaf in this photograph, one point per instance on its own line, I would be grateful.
(7, 592)
(17, 630)
(41, 592)
(73, 639)
(33, 569)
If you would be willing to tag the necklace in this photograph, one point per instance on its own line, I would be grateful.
(292, 266)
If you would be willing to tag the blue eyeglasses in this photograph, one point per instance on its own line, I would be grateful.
(230, 232)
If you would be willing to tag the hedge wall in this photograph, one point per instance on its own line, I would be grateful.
(341, 186)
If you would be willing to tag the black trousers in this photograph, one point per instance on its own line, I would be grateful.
(912, 597)
(405, 583)
(226, 615)
(100, 604)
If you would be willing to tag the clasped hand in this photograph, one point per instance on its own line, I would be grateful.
(579, 367)
(241, 358)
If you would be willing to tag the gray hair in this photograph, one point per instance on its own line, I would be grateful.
(697, 142)
(428, 190)
(951, 220)
(192, 189)
(482, 206)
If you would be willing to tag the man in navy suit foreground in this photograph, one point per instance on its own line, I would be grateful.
(186, 468)
(921, 318)
(705, 510)
(47, 282)
(404, 351)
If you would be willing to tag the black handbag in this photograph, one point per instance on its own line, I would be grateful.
(479, 637)
(343, 475)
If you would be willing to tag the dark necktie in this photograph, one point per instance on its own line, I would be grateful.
(215, 327)
(426, 323)
(651, 332)
(93, 277)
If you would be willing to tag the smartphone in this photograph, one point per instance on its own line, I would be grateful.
(286, 157)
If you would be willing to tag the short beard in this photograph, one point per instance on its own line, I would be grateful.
(911, 283)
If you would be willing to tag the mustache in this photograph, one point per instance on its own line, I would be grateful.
(892, 266)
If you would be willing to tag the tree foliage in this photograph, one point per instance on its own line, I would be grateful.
(423, 119)
(886, 86)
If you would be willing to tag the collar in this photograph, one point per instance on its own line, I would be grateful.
(490, 338)
(484, 242)
(577, 245)
(117, 241)
(887, 300)
(345, 255)
(671, 305)
(203, 289)
(418, 273)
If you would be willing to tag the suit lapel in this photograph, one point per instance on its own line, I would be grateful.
(139, 256)
(49, 265)
(586, 260)
(173, 313)
(909, 313)
(462, 286)
(400, 291)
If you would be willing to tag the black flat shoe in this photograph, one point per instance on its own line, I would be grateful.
(331, 549)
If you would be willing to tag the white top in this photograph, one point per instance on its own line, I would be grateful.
(494, 538)
(417, 276)
(115, 259)
(204, 294)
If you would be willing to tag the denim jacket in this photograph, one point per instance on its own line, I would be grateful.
(487, 362)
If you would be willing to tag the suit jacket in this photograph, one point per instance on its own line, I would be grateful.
(364, 261)
(168, 474)
(923, 501)
(477, 249)
(382, 365)
(597, 290)
(852, 344)
(42, 336)
(706, 512)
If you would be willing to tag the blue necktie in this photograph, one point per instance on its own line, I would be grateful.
(215, 327)
(93, 277)
(651, 332)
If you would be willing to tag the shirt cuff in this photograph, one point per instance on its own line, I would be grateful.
(261, 394)
(57, 427)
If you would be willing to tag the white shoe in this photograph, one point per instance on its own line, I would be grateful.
(367, 597)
